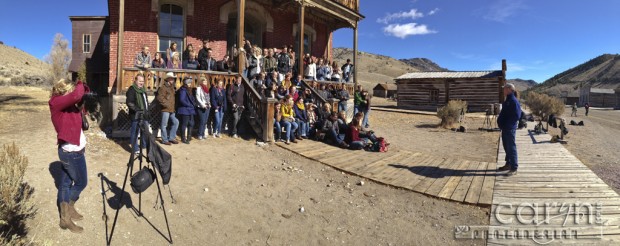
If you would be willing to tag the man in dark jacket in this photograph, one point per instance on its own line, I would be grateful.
(138, 105)
(284, 63)
(235, 95)
(507, 122)
(343, 97)
(207, 62)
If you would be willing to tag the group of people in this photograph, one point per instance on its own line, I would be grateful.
(259, 63)
(180, 107)
(574, 109)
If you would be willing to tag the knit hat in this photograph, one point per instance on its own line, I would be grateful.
(187, 81)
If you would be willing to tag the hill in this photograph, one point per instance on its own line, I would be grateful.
(424, 64)
(602, 72)
(374, 68)
(20, 68)
(522, 84)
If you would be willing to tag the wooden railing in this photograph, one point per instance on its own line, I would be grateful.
(351, 4)
(318, 98)
(260, 111)
(154, 78)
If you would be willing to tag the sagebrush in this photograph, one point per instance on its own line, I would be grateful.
(451, 112)
(542, 105)
(16, 204)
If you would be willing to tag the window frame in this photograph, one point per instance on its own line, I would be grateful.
(90, 38)
(180, 46)
(433, 96)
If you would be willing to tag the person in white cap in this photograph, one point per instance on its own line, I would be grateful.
(507, 122)
(166, 98)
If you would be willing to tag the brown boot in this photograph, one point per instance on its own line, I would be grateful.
(73, 214)
(65, 220)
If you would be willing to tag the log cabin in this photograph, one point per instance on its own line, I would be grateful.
(432, 90)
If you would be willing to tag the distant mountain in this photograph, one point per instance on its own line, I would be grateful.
(424, 64)
(602, 72)
(374, 68)
(20, 68)
(522, 84)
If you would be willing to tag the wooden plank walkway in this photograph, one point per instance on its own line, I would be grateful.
(458, 180)
(553, 186)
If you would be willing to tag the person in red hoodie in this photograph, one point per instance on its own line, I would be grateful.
(67, 121)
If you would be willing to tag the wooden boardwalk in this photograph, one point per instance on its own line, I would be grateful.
(452, 179)
(555, 187)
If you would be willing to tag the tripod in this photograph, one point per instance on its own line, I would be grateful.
(142, 129)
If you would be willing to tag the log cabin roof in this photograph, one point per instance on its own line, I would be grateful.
(450, 75)
(385, 86)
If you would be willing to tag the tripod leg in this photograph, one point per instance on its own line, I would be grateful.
(120, 201)
(162, 203)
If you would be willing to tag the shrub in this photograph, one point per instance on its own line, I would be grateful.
(542, 105)
(16, 203)
(82, 73)
(451, 113)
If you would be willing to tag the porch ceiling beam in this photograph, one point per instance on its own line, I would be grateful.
(322, 5)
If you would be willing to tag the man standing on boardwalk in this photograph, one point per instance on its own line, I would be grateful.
(507, 122)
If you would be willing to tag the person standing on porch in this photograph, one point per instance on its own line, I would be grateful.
(143, 59)
(190, 63)
(347, 70)
(284, 63)
(507, 122)
(310, 72)
(71, 142)
(343, 97)
(166, 98)
(235, 95)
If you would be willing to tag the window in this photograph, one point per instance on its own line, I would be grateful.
(434, 96)
(86, 43)
(171, 28)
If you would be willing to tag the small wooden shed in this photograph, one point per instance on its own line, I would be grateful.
(430, 90)
(385, 90)
(598, 97)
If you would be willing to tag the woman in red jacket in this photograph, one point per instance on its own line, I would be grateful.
(71, 142)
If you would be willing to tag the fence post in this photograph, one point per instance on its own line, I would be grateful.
(268, 118)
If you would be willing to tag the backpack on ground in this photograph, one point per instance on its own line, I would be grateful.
(380, 146)
(573, 123)
(580, 123)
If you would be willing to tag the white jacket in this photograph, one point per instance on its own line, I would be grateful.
(203, 98)
(311, 71)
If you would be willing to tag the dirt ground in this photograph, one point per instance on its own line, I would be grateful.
(229, 192)
(420, 133)
(597, 143)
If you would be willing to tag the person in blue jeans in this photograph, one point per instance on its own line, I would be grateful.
(138, 105)
(186, 110)
(343, 97)
(288, 119)
(166, 99)
(507, 122)
(204, 106)
(218, 104)
(301, 117)
(332, 131)
(71, 141)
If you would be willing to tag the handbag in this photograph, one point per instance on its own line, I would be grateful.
(85, 124)
(142, 180)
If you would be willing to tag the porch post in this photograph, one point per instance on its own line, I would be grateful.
(355, 54)
(240, 33)
(119, 53)
(300, 52)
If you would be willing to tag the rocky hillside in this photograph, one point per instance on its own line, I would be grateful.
(602, 71)
(20, 68)
(522, 84)
(373, 68)
(424, 64)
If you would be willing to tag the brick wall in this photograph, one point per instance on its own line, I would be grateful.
(141, 29)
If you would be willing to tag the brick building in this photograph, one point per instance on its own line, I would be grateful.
(267, 23)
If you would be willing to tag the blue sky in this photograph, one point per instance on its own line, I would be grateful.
(539, 38)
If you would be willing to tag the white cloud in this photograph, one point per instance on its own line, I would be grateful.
(412, 14)
(501, 10)
(432, 12)
(404, 30)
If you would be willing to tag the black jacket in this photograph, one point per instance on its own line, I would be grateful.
(132, 102)
(235, 94)
(158, 156)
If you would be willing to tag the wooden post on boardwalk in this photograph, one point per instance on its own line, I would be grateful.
(119, 53)
(240, 34)
(301, 51)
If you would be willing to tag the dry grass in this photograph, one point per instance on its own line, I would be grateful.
(451, 113)
(16, 203)
(20, 68)
(543, 105)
